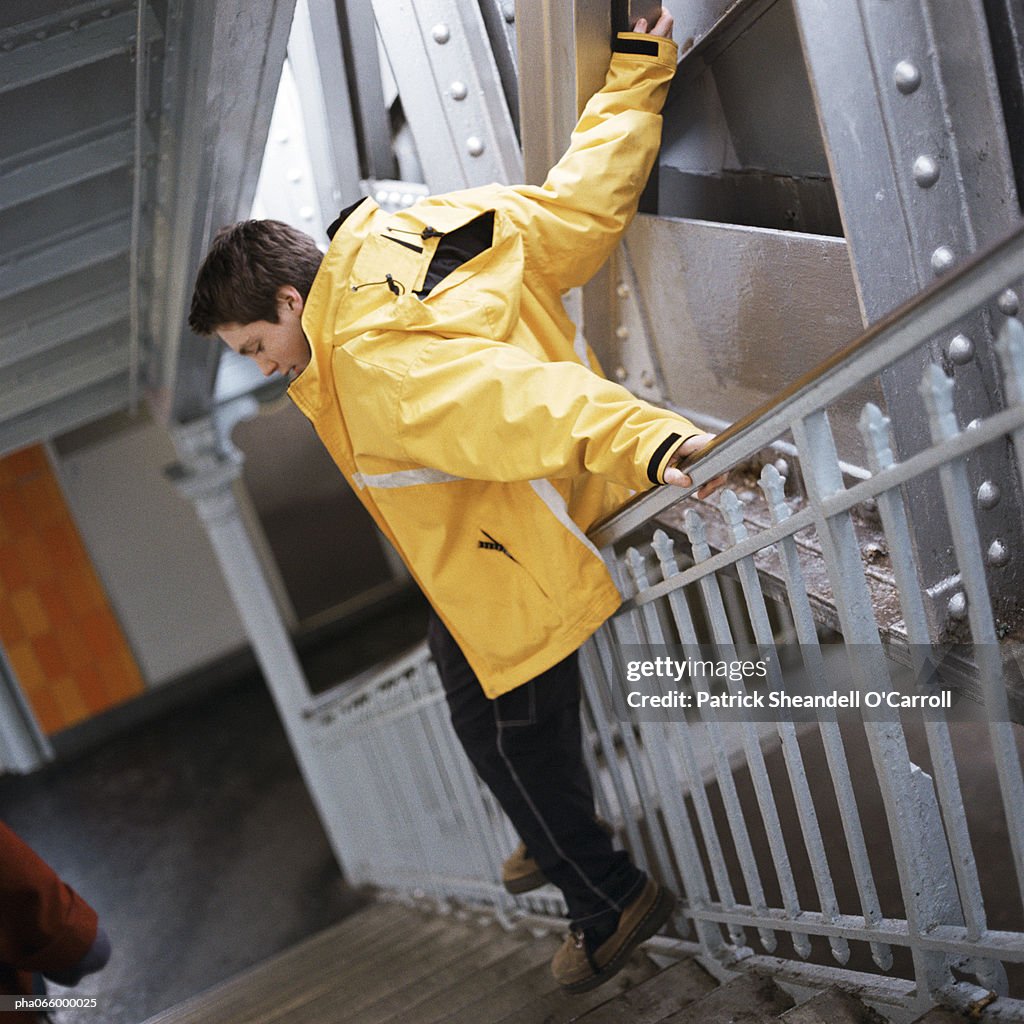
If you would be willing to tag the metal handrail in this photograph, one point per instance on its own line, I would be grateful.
(881, 345)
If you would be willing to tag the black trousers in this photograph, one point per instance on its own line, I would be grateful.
(527, 748)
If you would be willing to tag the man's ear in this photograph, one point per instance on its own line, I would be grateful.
(288, 297)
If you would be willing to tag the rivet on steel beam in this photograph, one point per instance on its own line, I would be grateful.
(474, 145)
(394, 198)
(622, 290)
(974, 424)
(942, 259)
(41, 34)
(989, 494)
(926, 171)
(998, 554)
(961, 349)
(508, 9)
(408, 199)
(781, 467)
(1009, 303)
(306, 212)
(907, 76)
(381, 195)
(622, 332)
(957, 606)
(620, 373)
(294, 175)
(458, 90)
(441, 33)
(647, 379)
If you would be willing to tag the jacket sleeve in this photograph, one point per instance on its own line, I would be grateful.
(47, 926)
(572, 222)
(485, 410)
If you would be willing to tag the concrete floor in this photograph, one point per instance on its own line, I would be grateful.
(194, 838)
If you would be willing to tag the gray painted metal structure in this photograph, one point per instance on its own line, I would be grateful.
(914, 126)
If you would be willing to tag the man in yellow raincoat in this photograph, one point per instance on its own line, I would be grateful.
(431, 351)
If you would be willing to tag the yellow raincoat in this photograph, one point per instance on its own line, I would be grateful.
(483, 443)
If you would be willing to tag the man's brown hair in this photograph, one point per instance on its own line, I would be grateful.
(246, 265)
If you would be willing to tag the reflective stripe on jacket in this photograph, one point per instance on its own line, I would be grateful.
(459, 409)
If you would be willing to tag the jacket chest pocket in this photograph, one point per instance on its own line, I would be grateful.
(415, 262)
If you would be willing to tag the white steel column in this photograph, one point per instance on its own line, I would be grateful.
(209, 468)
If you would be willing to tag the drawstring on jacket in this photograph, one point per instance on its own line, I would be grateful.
(396, 287)
(427, 232)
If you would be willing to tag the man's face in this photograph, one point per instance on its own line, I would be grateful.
(275, 348)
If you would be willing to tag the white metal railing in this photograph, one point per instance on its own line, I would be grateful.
(830, 848)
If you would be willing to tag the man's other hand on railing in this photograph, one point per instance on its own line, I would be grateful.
(677, 478)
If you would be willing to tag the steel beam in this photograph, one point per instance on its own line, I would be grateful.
(916, 141)
(79, 160)
(31, 338)
(451, 92)
(96, 244)
(35, 61)
(718, 297)
(713, 26)
(46, 379)
(317, 62)
(79, 406)
(500, 19)
(222, 69)
(362, 68)
(551, 37)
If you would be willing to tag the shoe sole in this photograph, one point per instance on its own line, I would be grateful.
(527, 883)
(648, 925)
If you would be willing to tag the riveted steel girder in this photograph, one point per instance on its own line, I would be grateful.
(913, 125)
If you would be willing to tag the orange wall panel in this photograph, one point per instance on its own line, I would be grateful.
(60, 634)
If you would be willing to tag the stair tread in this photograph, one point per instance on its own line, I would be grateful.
(337, 964)
(460, 991)
(748, 998)
(507, 998)
(940, 1015)
(471, 956)
(559, 1005)
(673, 988)
(832, 1006)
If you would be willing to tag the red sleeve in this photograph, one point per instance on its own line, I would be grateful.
(44, 924)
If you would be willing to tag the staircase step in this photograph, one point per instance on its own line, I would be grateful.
(462, 990)
(675, 987)
(558, 1005)
(506, 999)
(490, 945)
(338, 964)
(750, 998)
(940, 1015)
(831, 1007)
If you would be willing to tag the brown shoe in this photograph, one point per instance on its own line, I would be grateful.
(520, 873)
(578, 969)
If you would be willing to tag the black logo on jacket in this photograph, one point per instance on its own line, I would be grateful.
(490, 544)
